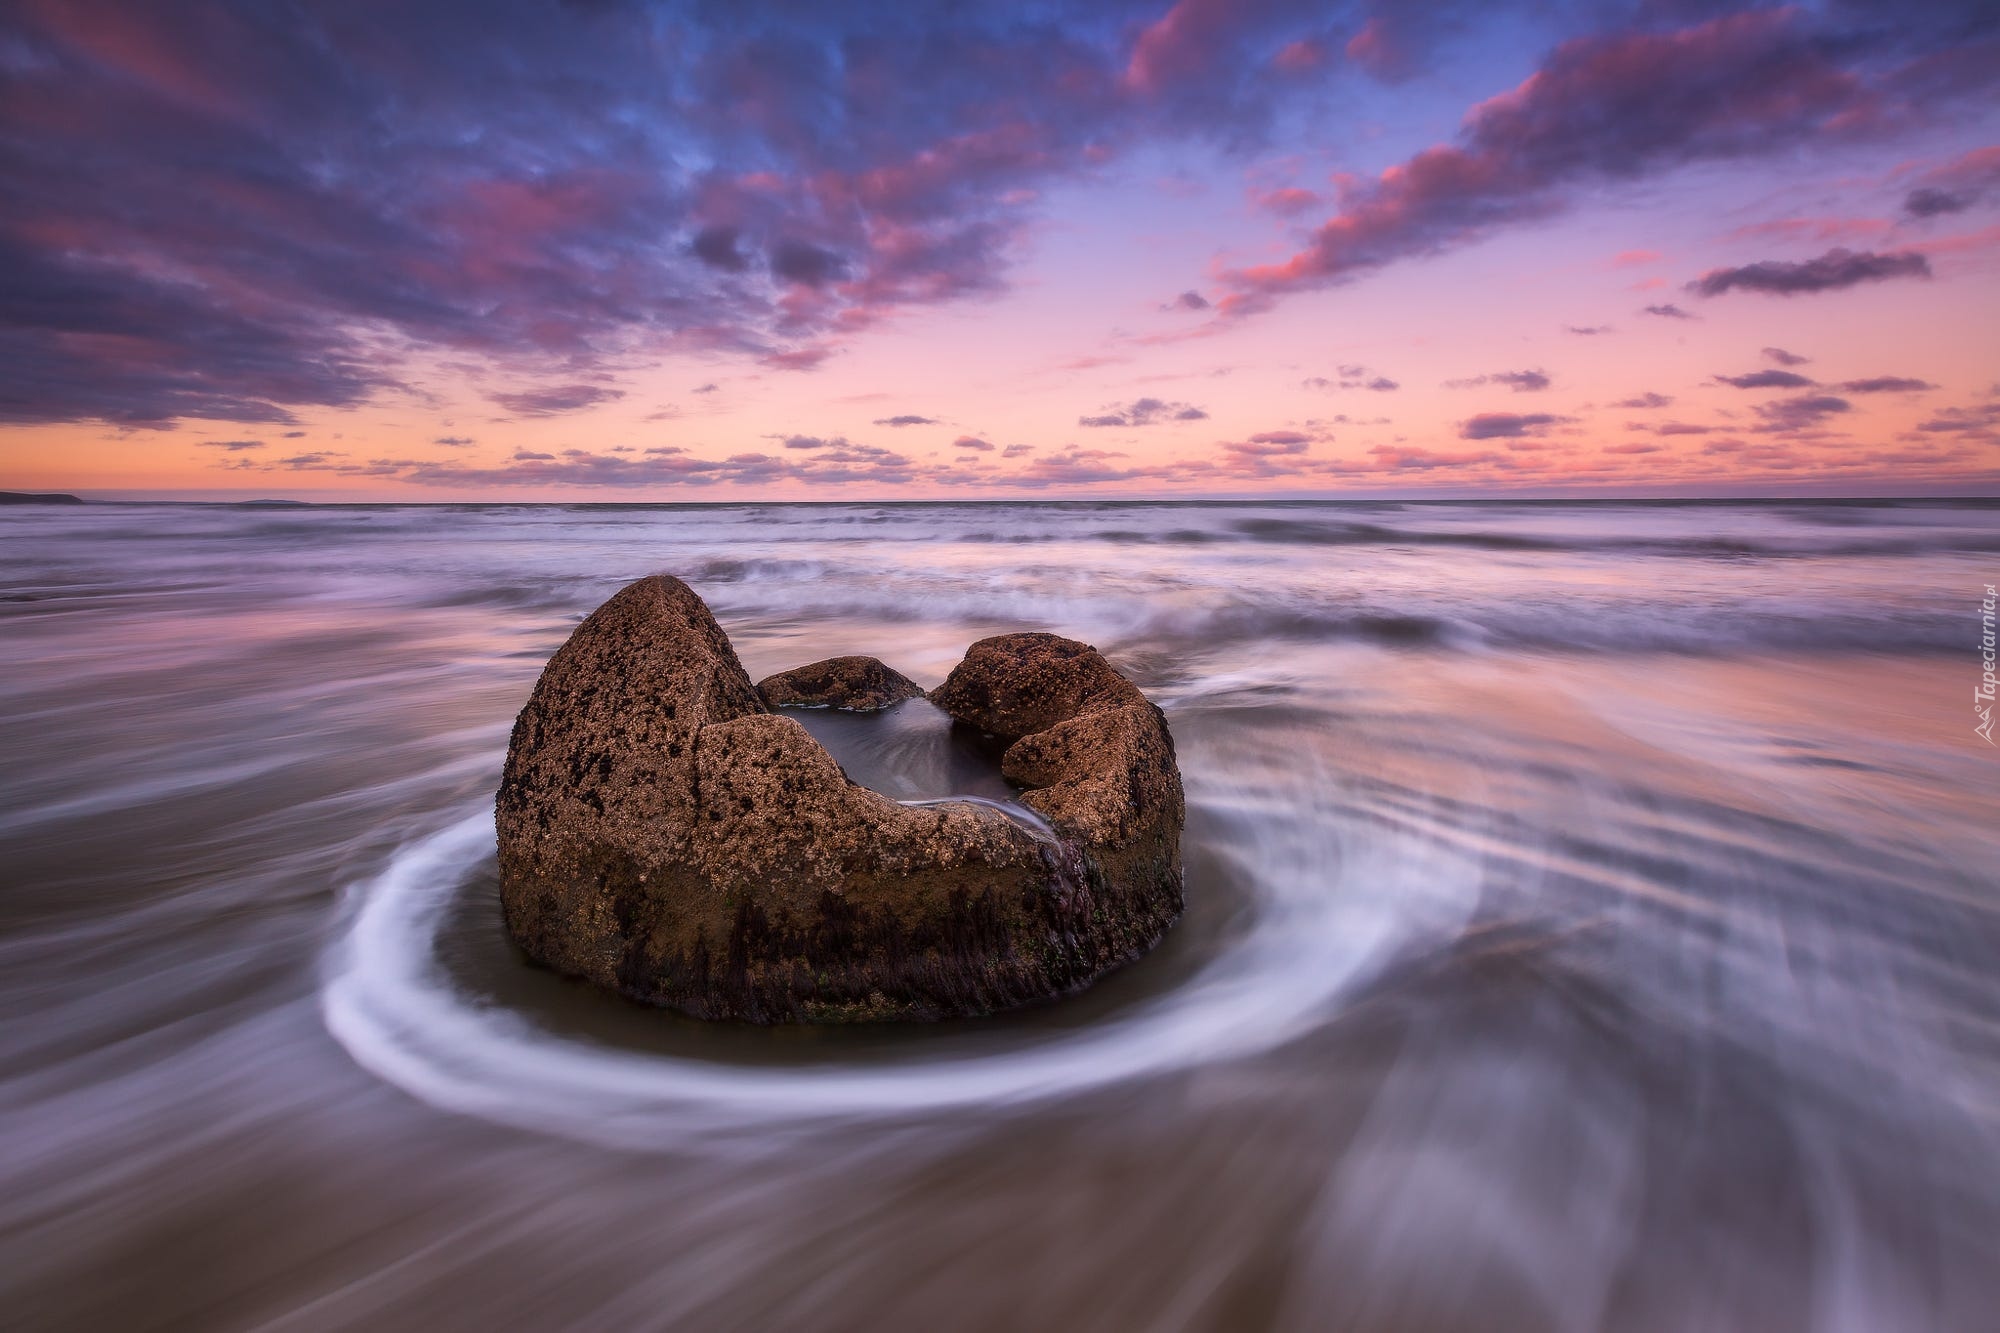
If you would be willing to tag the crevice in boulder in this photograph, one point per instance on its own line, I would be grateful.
(653, 804)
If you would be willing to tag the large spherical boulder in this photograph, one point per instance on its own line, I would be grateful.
(664, 835)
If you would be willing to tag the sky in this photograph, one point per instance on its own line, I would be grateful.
(611, 251)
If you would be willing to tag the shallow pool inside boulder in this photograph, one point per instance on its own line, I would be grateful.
(911, 751)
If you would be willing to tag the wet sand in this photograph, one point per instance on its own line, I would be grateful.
(1592, 924)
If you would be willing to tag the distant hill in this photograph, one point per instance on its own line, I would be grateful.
(24, 498)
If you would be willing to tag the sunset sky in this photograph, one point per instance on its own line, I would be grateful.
(701, 252)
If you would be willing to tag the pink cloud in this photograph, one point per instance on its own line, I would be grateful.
(1287, 202)
(1180, 45)
(1272, 444)
(799, 358)
(1410, 458)
(1601, 107)
(1299, 57)
(1376, 50)
(1970, 242)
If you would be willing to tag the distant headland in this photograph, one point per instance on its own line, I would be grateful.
(26, 498)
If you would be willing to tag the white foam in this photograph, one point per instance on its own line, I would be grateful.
(387, 1000)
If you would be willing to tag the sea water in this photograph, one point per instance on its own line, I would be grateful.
(1593, 923)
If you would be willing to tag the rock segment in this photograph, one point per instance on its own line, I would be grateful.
(663, 835)
(855, 684)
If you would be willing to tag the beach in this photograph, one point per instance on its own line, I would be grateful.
(1591, 923)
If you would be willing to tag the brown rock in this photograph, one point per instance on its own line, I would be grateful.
(856, 684)
(663, 835)
(1017, 684)
(1095, 755)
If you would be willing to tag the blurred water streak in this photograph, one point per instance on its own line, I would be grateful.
(1593, 924)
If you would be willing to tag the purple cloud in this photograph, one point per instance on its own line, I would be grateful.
(754, 193)
(1520, 381)
(1801, 413)
(806, 264)
(1273, 442)
(1354, 377)
(1607, 107)
(1976, 423)
(660, 467)
(1078, 466)
(1929, 201)
(1506, 425)
(206, 222)
(1767, 379)
(1887, 384)
(556, 401)
(716, 247)
(1271, 453)
(1144, 412)
(1956, 186)
(1830, 272)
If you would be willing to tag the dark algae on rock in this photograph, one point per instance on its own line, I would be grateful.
(664, 834)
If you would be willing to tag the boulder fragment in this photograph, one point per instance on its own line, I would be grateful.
(854, 684)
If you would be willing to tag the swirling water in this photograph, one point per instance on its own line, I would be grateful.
(1593, 923)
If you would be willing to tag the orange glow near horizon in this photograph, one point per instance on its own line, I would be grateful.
(1404, 308)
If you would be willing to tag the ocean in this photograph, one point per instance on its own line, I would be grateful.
(1593, 923)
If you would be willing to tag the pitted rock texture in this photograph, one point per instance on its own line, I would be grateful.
(856, 684)
(663, 835)
(1093, 752)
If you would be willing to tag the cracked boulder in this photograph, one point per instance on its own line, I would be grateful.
(665, 835)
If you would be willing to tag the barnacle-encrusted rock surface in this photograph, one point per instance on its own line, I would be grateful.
(663, 834)
(856, 684)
